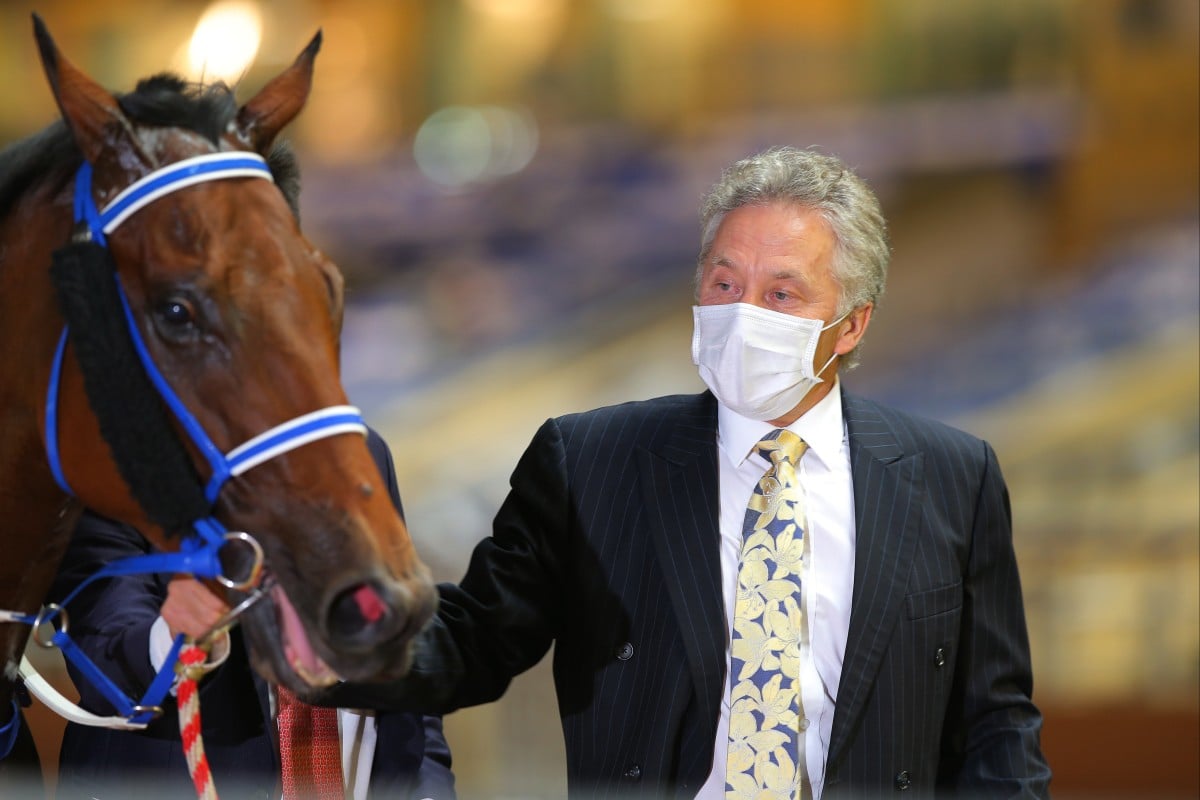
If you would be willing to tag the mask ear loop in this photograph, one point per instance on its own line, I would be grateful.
(836, 321)
(825, 366)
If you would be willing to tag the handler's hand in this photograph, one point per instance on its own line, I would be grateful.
(191, 607)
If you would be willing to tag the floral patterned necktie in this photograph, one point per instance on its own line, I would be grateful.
(766, 745)
(310, 752)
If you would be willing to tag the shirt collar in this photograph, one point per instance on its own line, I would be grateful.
(821, 426)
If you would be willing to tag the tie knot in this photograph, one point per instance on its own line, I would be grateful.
(782, 445)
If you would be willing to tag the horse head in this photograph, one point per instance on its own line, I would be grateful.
(242, 315)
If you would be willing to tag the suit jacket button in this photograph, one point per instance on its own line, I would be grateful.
(903, 780)
(939, 658)
(625, 651)
(634, 772)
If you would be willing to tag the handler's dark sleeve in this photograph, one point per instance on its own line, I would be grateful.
(502, 617)
(110, 620)
(435, 778)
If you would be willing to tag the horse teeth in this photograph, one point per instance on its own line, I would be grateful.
(324, 676)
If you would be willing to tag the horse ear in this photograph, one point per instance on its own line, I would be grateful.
(261, 119)
(91, 113)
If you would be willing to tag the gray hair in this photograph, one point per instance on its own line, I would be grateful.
(825, 184)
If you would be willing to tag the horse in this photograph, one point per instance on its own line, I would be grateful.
(241, 316)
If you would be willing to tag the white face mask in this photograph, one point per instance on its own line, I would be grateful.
(758, 363)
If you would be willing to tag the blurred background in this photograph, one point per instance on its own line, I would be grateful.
(511, 186)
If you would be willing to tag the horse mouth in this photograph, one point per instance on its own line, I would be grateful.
(283, 650)
(298, 650)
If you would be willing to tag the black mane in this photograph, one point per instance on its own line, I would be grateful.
(167, 101)
(162, 100)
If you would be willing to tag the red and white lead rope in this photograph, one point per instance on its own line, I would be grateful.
(188, 698)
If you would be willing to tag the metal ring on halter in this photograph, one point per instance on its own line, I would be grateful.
(43, 617)
(255, 568)
(154, 711)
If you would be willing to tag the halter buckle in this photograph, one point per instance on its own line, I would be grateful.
(154, 711)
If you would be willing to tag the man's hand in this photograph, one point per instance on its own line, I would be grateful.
(191, 607)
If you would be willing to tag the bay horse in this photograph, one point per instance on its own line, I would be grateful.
(241, 316)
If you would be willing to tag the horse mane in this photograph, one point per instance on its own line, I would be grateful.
(163, 100)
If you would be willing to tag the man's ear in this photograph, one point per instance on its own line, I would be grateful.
(852, 329)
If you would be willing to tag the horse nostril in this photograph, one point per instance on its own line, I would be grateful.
(360, 613)
(369, 603)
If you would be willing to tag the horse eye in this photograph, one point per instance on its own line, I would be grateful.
(175, 316)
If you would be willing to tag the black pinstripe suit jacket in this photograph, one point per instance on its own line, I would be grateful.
(607, 547)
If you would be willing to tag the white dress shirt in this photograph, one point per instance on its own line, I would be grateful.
(824, 472)
(356, 728)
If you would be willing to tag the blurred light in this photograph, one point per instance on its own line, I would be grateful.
(514, 138)
(507, 42)
(452, 146)
(517, 10)
(225, 41)
(347, 46)
(642, 10)
(460, 145)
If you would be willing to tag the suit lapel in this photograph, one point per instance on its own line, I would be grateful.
(888, 489)
(678, 479)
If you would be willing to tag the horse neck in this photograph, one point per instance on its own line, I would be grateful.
(28, 570)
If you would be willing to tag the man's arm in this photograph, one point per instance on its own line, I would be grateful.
(435, 779)
(991, 744)
(111, 619)
(503, 616)
(125, 624)
(382, 455)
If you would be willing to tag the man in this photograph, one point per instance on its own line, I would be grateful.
(898, 661)
(126, 624)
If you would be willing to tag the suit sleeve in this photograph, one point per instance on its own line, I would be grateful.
(110, 619)
(991, 742)
(434, 777)
(382, 456)
(502, 617)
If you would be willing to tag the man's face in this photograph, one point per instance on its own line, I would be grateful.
(780, 257)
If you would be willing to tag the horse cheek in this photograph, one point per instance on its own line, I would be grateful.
(87, 462)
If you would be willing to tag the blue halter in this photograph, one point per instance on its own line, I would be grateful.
(198, 554)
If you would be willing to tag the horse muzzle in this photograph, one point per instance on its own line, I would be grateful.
(363, 631)
(365, 614)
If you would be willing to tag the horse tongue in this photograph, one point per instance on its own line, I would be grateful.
(296, 645)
